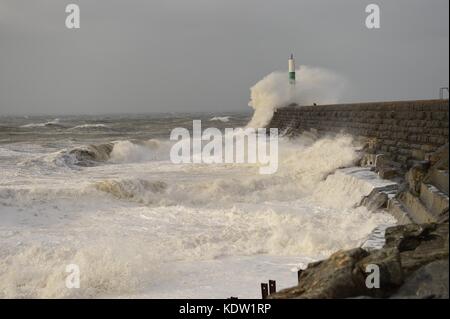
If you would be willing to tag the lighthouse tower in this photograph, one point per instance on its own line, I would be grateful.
(291, 64)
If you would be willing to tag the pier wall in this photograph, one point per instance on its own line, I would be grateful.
(402, 130)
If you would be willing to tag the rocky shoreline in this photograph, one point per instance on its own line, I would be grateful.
(414, 261)
(412, 264)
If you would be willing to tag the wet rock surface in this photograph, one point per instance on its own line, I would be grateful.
(429, 281)
(413, 263)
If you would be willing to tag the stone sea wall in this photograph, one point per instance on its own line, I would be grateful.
(401, 130)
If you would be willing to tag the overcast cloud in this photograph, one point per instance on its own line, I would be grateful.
(204, 55)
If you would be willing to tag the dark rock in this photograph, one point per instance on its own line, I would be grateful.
(414, 178)
(389, 172)
(391, 273)
(407, 250)
(429, 281)
(433, 246)
(418, 244)
(420, 164)
(443, 218)
(375, 200)
(401, 236)
(330, 278)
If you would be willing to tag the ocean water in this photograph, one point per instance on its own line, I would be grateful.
(101, 192)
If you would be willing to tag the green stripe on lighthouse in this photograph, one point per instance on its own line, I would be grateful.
(292, 76)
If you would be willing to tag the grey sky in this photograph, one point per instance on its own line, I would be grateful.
(204, 55)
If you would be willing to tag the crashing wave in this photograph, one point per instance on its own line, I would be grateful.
(305, 163)
(314, 85)
(220, 118)
(88, 155)
(116, 152)
(139, 151)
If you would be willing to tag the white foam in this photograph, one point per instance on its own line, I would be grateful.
(348, 186)
(140, 227)
(87, 126)
(313, 85)
(220, 118)
(55, 121)
(129, 152)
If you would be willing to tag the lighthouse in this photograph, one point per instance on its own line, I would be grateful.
(291, 64)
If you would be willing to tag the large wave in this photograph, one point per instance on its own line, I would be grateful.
(304, 164)
(117, 152)
(140, 151)
(89, 154)
(313, 85)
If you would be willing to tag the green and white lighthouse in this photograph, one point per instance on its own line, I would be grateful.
(291, 63)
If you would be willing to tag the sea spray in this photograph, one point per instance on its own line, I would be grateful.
(237, 146)
(313, 85)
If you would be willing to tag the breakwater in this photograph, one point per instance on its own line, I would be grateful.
(402, 130)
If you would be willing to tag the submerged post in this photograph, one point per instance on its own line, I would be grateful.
(264, 290)
(272, 287)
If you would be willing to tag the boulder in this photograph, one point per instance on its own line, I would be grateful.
(429, 281)
(391, 272)
(330, 278)
(406, 237)
(418, 244)
(375, 200)
(402, 262)
(428, 246)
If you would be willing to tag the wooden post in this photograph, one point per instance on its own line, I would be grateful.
(272, 287)
(264, 290)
